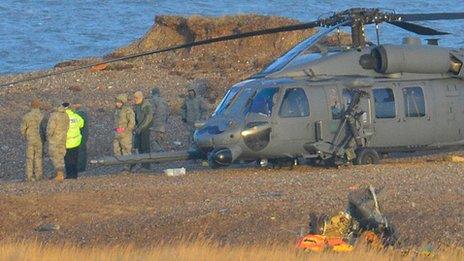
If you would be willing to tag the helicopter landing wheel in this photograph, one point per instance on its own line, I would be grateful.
(366, 157)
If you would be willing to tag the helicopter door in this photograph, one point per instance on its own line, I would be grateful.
(386, 117)
(292, 127)
(417, 119)
(335, 108)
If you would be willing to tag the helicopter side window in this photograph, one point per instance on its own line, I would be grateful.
(414, 103)
(263, 101)
(336, 106)
(294, 104)
(384, 103)
(347, 95)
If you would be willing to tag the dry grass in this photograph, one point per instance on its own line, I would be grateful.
(203, 250)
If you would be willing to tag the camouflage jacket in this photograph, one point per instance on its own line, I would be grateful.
(57, 126)
(193, 110)
(160, 113)
(124, 119)
(30, 128)
(143, 116)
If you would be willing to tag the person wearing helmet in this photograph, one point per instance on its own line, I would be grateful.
(193, 110)
(124, 123)
(160, 118)
(30, 130)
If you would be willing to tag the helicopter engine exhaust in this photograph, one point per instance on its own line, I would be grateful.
(427, 59)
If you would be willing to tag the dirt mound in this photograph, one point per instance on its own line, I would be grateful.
(255, 51)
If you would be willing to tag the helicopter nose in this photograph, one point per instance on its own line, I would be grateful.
(203, 140)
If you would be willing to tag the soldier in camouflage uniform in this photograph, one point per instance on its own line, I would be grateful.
(124, 123)
(160, 118)
(143, 121)
(193, 109)
(211, 102)
(57, 129)
(30, 130)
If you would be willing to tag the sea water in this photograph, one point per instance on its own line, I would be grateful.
(37, 34)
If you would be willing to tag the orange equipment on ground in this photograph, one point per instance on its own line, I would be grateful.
(99, 67)
(320, 243)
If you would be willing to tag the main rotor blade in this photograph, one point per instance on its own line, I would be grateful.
(281, 29)
(418, 29)
(431, 16)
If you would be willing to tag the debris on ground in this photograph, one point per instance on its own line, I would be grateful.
(175, 172)
(47, 227)
(454, 159)
(99, 67)
(361, 223)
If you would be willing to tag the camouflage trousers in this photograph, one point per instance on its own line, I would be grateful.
(34, 167)
(122, 145)
(57, 152)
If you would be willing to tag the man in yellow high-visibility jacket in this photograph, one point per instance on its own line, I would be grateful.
(73, 141)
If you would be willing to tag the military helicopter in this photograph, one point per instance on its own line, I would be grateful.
(337, 104)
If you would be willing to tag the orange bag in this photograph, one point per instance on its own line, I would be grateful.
(99, 67)
(319, 243)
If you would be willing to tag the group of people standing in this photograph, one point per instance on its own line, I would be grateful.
(139, 127)
(65, 130)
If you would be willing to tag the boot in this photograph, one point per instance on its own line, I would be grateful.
(59, 176)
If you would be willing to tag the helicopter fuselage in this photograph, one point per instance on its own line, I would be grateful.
(279, 115)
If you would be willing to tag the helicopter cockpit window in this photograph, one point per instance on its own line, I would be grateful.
(263, 101)
(414, 103)
(225, 103)
(235, 101)
(294, 104)
(384, 103)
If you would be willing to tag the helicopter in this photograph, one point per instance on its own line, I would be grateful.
(333, 105)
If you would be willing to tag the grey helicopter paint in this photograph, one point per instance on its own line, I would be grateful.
(334, 104)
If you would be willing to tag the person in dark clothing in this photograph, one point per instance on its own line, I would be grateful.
(73, 142)
(143, 121)
(71, 162)
(82, 159)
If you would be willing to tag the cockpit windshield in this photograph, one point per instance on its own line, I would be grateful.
(300, 48)
(226, 101)
(239, 100)
(263, 102)
(235, 101)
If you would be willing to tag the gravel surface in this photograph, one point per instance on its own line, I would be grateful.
(423, 197)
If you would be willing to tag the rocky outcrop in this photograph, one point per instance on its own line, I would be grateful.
(255, 51)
